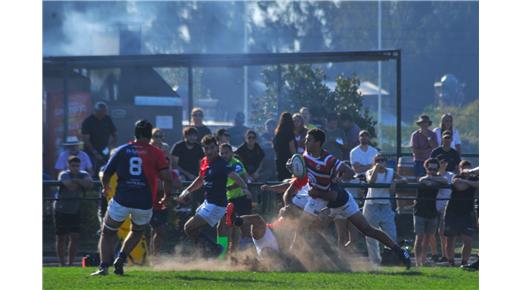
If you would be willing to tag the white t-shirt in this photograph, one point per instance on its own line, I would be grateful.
(444, 193)
(362, 157)
(380, 192)
(455, 138)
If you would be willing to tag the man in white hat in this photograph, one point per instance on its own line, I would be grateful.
(71, 148)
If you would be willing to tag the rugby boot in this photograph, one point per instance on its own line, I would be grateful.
(118, 266)
(101, 271)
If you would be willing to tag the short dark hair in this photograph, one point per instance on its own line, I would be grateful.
(430, 161)
(73, 158)
(252, 132)
(143, 129)
(464, 163)
(190, 131)
(222, 131)
(226, 145)
(208, 139)
(317, 134)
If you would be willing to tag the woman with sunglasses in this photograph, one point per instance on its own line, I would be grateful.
(378, 211)
(158, 140)
(447, 125)
(251, 154)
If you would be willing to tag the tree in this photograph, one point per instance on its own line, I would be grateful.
(304, 86)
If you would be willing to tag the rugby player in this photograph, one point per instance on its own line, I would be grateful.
(239, 199)
(213, 176)
(322, 171)
(137, 165)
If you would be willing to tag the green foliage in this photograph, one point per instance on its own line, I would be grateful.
(304, 86)
(465, 120)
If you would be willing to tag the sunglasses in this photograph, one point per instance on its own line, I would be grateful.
(158, 136)
(380, 160)
(432, 168)
(251, 137)
(196, 115)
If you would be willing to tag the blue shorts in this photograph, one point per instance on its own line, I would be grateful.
(159, 218)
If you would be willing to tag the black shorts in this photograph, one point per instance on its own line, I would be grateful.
(159, 218)
(242, 205)
(67, 223)
(460, 225)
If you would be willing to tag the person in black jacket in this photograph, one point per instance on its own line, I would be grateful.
(251, 154)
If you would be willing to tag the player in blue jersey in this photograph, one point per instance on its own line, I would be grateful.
(137, 165)
(213, 176)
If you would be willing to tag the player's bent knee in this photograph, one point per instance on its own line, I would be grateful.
(110, 225)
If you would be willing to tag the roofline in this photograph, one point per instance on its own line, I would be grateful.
(216, 59)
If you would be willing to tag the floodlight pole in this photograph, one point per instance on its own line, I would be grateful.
(65, 101)
(379, 100)
(246, 112)
(190, 92)
(398, 103)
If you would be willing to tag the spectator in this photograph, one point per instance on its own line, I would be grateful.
(238, 131)
(187, 154)
(351, 133)
(284, 144)
(99, 134)
(223, 136)
(158, 140)
(442, 202)
(336, 139)
(268, 136)
(67, 214)
(460, 218)
(306, 115)
(71, 147)
(362, 156)
(423, 141)
(379, 212)
(425, 210)
(251, 154)
(197, 115)
(299, 132)
(447, 125)
(446, 152)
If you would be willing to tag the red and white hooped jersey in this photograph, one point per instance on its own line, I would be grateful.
(321, 170)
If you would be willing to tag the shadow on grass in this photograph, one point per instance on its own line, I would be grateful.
(232, 280)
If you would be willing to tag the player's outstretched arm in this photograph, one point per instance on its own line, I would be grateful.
(278, 188)
(288, 194)
(196, 184)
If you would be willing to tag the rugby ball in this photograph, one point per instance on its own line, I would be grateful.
(297, 166)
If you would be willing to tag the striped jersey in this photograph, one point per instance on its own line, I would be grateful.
(321, 170)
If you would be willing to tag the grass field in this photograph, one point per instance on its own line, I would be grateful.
(144, 278)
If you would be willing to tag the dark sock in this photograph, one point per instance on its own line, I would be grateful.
(103, 265)
(122, 256)
(396, 248)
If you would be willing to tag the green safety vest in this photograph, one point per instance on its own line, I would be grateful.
(239, 170)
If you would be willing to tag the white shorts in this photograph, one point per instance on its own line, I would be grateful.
(314, 206)
(346, 211)
(119, 213)
(302, 197)
(267, 241)
(210, 212)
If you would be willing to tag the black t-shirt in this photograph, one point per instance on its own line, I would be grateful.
(202, 131)
(462, 201)
(250, 158)
(281, 145)
(189, 159)
(425, 205)
(215, 175)
(99, 131)
(452, 156)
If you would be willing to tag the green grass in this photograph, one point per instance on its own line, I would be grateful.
(144, 278)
